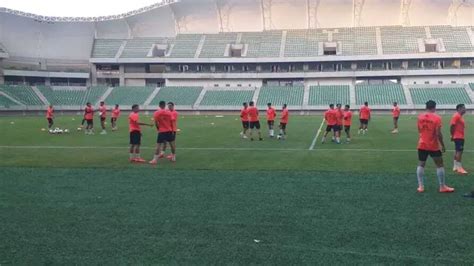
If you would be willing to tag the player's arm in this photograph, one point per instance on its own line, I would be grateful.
(452, 128)
(144, 124)
(440, 139)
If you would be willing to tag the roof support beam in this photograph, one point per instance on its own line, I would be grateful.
(312, 10)
(357, 7)
(405, 12)
(266, 6)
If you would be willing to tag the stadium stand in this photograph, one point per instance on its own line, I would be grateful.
(327, 94)
(93, 94)
(455, 39)
(442, 95)
(63, 96)
(293, 96)
(139, 48)
(262, 44)
(21, 93)
(106, 48)
(185, 45)
(181, 96)
(472, 86)
(129, 95)
(6, 102)
(215, 44)
(357, 41)
(301, 43)
(401, 40)
(228, 97)
(383, 94)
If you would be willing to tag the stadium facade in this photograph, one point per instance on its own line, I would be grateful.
(214, 54)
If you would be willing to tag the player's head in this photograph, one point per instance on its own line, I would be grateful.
(88, 104)
(331, 106)
(431, 105)
(171, 106)
(102, 103)
(338, 106)
(269, 105)
(461, 108)
(50, 106)
(162, 104)
(366, 104)
(347, 107)
(395, 103)
(135, 108)
(251, 103)
(116, 106)
(245, 104)
(285, 105)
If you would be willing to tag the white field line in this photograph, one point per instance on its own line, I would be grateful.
(208, 149)
(316, 137)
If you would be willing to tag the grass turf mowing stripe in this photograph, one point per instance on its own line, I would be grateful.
(316, 137)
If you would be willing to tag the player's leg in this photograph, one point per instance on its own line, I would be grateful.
(459, 149)
(420, 170)
(102, 124)
(258, 131)
(395, 125)
(173, 151)
(361, 126)
(328, 129)
(270, 129)
(347, 129)
(338, 134)
(159, 145)
(131, 157)
(440, 173)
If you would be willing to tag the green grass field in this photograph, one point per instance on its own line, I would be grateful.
(75, 199)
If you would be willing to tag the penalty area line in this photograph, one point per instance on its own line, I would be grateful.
(317, 136)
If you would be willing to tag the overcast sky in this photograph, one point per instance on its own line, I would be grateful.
(76, 8)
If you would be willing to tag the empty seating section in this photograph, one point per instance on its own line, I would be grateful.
(185, 45)
(106, 48)
(227, 97)
(472, 86)
(327, 94)
(129, 95)
(441, 95)
(401, 40)
(139, 48)
(23, 94)
(63, 96)
(300, 43)
(455, 39)
(5, 102)
(293, 96)
(93, 94)
(262, 44)
(215, 44)
(356, 41)
(383, 94)
(186, 96)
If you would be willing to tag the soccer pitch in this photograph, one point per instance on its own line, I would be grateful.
(75, 199)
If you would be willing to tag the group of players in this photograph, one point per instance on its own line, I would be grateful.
(249, 115)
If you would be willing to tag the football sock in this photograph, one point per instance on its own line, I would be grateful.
(440, 174)
(420, 172)
(137, 155)
(131, 156)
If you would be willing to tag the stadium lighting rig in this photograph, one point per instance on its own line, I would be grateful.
(454, 8)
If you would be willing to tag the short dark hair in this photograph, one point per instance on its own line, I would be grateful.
(116, 105)
(171, 103)
(338, 105)
(366, 103)
(430, 105)
(162, 103)
(269, 104)
(134, 106)
(251, 103)
(331, 105)
(244, 104)
(395, 103)
(348, 106)
(102, 102)
(459, 106)
(284, 105)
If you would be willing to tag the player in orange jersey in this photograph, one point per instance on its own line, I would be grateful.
(364, 117)
(431, 143)
(396, 116)
(135, 134)
(271, 114)
(244, 117)
(89, 117)
(339, 122)
(330, 118)
(115, 116)
(457, 136)
(164, 126)
(50, 116)
(103, 117)
(254, 122)
(347, 122)
(283, 122)
(174, 126)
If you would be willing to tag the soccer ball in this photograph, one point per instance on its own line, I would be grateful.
(79, 128)
(278, 137)
(66, 131)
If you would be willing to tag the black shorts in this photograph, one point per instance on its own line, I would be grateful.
(329, 128)
(90, 122)
(245, 124)
(459, 144)
(164, 137)
(173, 137)
(423, 154)
(102, 119)
(395, 118)
(270, 122)
(135, 138)
(113, 119)
(283, 125)
(255, 124)
(50, 120)
(347, 128)
(364, 121)
(337, 127)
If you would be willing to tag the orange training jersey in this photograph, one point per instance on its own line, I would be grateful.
(347, 118)
(284, 116)
(244, 114)
(339, 117)
(174, 120)
(428, 124)
(458, 122)
(133, 119)
(103, 111)
(271, 114)
(364, 112)
(89, 113)
(50, 112)
(396, 111)
(330, 117)
(115, 112)
(163, 118)
(253, 114)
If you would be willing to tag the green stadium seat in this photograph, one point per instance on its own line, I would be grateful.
(327, 94)
(139, 48)
(5, 102)
(227, 97)
(129, 95)
(185, 45)
(262, 44)
(401, 40)
(106, 48)
(293, 96)
(186, 96)
(383, 94)
(93, 94)
(23, 94)
(215, 44)
(63, 96)
(441, 95)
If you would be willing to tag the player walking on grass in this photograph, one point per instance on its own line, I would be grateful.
(430, 140)
(330, 118)
(103, 117)
(244, 117)
(283, 122)
(115, 116)
(174, 126)
(135, 134)
(271, 114)
(50, 116)
(254, 122)
(164, 126)
(347, 122)
(457, 136)
(364, 117)
(395, 115)
(89, 117)
(339, 123)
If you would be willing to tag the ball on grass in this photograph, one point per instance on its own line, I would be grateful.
(43, 129)
(12, 123)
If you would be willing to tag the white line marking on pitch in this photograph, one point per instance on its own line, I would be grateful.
(316, 137)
